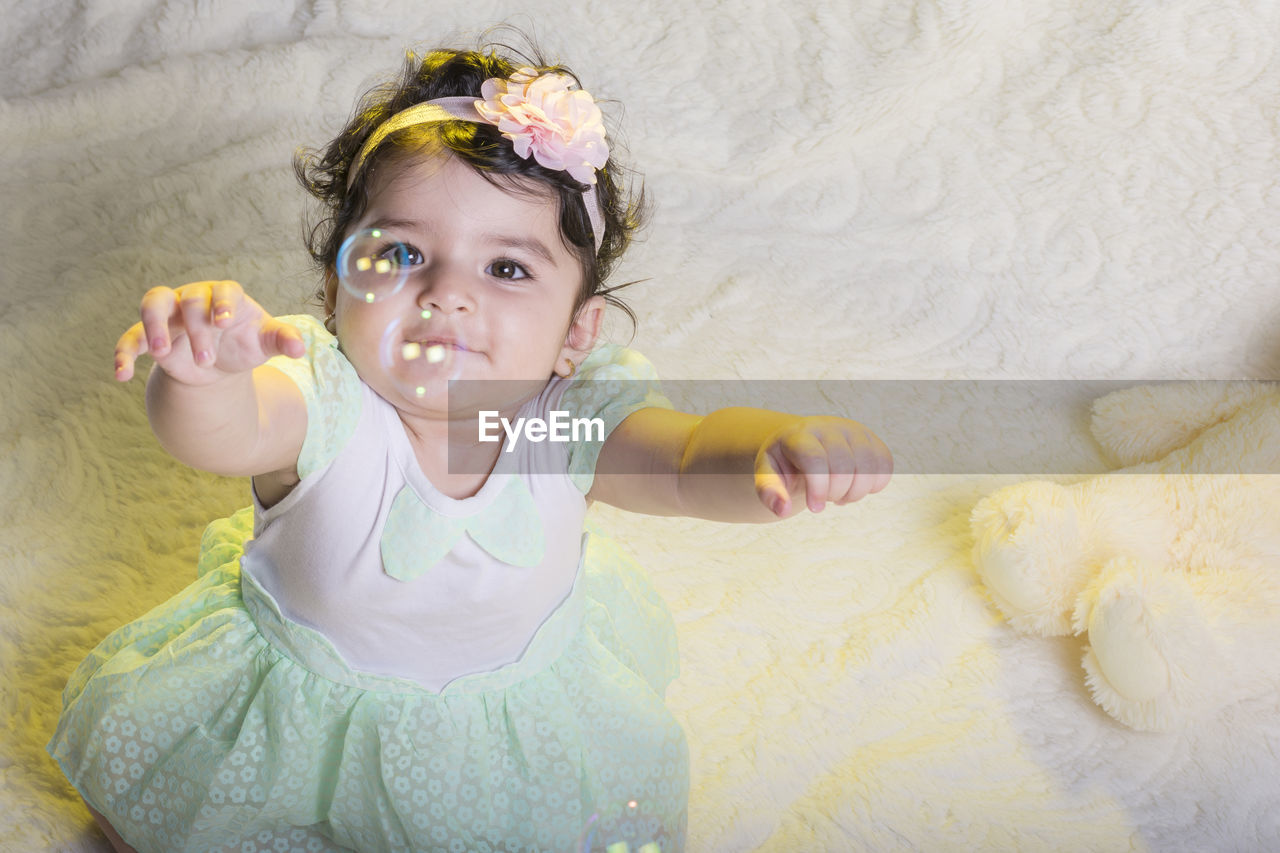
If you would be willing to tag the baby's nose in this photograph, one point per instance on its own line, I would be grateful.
(446, 290)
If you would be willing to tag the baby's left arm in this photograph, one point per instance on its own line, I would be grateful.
(737, 464)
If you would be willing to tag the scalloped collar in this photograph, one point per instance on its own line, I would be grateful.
(424, 524)
(509, 528)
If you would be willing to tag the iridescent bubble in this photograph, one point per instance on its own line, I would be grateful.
(632, 830)
(421, 355)
(373, 264)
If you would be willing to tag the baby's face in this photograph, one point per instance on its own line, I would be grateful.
(489, 275)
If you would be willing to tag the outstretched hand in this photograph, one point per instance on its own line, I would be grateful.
(202, 332)
(825, 459)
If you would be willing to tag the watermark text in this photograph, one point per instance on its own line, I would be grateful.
(559, 427)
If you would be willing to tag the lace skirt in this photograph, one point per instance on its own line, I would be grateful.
(215, 723)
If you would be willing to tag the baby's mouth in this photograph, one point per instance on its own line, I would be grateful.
(432, 350)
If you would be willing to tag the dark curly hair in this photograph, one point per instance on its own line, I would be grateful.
(446, 73)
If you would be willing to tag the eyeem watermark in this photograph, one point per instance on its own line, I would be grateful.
(1017, 427)
(560, 427)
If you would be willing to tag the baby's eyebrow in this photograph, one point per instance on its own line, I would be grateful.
(529, 244)
(389, 222)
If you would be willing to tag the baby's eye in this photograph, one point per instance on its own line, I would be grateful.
(507, 269)
(402, 254)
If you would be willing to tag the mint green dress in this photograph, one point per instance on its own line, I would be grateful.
(224, 720)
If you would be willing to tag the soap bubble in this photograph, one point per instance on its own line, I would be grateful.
(421, 357)
(632, 831)
(373, 265)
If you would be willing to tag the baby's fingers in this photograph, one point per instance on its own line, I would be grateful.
(773, 492)
(809, 457)
(159, 308)
(879, 465)
(787, 467)
(869, 465)
(817, 484)
(226, 297)
(131, 344)
(197, 317)
(280, 338)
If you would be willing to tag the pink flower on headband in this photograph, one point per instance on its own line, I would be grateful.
(561, 127)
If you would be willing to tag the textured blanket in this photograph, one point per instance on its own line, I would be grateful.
(879, 189)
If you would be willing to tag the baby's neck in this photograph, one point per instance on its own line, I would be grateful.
(457, 468)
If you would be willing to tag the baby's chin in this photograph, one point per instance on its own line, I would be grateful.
(470, 396)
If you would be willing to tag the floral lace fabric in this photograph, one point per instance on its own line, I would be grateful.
(191, 731)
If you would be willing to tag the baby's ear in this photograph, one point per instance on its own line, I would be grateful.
(585, 327)
(330, 291)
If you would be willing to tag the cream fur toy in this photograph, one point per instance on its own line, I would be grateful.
(1170, 565)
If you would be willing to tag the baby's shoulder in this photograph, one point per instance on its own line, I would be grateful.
(331, 388)
(614, 361)
(612, 383)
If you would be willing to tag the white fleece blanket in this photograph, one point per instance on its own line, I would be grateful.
(905, 189)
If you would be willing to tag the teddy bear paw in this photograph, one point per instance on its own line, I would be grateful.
(1028, 553)
(1151, 661)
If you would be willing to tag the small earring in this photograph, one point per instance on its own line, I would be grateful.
(572, 368)
(330, 324)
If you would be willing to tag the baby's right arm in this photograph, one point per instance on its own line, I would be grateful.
(213, 402)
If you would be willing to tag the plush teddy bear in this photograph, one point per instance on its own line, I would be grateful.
(1170, 565)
